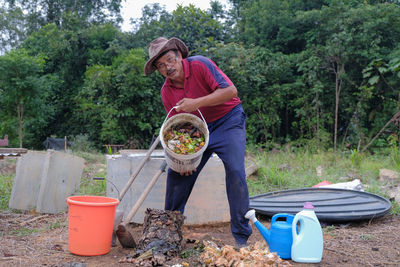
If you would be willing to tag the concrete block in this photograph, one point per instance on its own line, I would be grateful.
(207, 204)
(44, 180)
(61, 178)
(28, 176)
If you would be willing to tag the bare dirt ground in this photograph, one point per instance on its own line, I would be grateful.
(31, 239)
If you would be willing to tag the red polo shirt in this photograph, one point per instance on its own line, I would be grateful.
(202, 77)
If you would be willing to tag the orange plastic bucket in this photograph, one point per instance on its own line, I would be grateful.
(90, 226)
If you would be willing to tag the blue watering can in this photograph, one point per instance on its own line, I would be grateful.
(279, 238)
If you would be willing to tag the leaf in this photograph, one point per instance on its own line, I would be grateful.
(367, 69)
(396, 67)
(382, 69)
(373, 80)
(366, 74)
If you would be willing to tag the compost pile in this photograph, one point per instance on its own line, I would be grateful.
(184, 138)
(251, 256)
(161, 238)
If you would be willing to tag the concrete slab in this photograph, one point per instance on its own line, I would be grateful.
(61, 178)
(207, 204)
(44, 180)
(28, 176)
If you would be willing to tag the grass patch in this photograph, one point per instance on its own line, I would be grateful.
(366, 237)
(277, 171)
(6, 182)
(23, 231)
(293, 170)
(330, 229)
(95, 166)
(55, 225)
(90, 158)
(93, 187)
(395, 208)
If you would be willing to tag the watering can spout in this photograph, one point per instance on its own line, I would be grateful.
(251, 215)
(279, 236)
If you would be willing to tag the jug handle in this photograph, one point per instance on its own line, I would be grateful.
(295, 231)
(289, 217)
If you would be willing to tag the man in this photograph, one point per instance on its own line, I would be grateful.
(193, 83)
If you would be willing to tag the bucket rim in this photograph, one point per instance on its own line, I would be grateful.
(182, 156)
(111, 201)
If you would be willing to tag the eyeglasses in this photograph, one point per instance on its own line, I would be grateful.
(171, 60)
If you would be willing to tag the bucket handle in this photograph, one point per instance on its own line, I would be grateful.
(174, 107)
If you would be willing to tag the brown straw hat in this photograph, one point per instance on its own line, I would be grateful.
(160, 45)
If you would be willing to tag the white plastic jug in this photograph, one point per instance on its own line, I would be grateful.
(308, 241)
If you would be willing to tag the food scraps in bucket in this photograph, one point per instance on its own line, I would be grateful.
(184, 138)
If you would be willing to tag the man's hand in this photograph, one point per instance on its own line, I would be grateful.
(219, 96)
(187, 173)
(187, 105)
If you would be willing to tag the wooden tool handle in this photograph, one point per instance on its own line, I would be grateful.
(144, 194)
(139, 168)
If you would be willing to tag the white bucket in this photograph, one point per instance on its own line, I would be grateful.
(178, 162)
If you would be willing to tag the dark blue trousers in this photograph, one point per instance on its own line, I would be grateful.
(228, 141)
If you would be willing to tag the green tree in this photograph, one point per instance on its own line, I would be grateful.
(197, 28)
(357, 36)
(258, 74)
(386, 74)
(68, 53)
(149, 26)
(328, 44)
(42, 12)
(12, 28)
(21, 18)
(21, 89)
(273, 24)
(310, 116)
(119, 104)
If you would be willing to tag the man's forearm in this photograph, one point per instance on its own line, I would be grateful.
(219, 96)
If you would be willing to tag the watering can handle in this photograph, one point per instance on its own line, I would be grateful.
(174, 107)
(282, 215)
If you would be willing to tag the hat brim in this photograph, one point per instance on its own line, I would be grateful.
(173, 43)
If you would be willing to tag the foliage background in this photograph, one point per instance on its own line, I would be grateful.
(318, 74)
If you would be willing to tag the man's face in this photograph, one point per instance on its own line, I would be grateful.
(170, 65)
